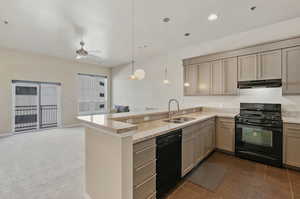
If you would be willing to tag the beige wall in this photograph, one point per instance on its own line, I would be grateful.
(15, 65)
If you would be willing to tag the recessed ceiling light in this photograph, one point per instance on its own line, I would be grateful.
(5, 22)
(253, 8)
(213, 17)
(187, 34)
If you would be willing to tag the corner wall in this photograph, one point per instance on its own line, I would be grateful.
(151, 92)
(16, 65)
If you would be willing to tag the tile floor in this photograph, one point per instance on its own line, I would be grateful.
(244, 180)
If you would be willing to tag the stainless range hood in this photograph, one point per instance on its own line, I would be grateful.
(270, 83)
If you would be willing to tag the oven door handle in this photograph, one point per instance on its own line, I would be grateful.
(257, 126)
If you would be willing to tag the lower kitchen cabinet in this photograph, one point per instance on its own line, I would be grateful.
(144, 170)
(225, 134)
(187, 149)
(291, 151)
(198, 141)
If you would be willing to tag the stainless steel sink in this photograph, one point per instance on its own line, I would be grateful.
(179, 120)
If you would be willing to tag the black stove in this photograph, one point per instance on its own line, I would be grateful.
(259, 133)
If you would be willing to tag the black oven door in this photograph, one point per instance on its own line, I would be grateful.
(262, 144)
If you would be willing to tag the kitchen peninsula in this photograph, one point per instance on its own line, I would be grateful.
(121, 149)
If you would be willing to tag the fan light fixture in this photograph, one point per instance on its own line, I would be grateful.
(213, 17)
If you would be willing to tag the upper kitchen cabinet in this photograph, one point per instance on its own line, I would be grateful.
(291, 71)
(247, 67)
(269, 66)
(261, 66)
(219, 73)
(191, 77)
(204, 79)
(230, 73)
(217, 78)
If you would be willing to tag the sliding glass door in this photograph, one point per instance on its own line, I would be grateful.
(25, 107)
(36, 106)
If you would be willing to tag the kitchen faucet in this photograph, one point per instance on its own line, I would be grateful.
(169, 107)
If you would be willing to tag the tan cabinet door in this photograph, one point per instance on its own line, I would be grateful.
(197, 147)
(230, 75)
(270, 65)
(187, 151)
(225, 134)
(204, 79)
(247, 67)
(191, 76)
(291, 71)
(291, 145)
(217, 78)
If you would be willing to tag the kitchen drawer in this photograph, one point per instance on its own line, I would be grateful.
(142, 145)
(146, 189)
(292, 128)
(226, 123)
(153, 196)
(144, 156)
(144, 172)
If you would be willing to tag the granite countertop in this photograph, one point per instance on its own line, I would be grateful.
(106, 123)
(148, 130)
(109, 123)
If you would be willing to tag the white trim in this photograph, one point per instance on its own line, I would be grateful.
(4, 135)
(73, 125)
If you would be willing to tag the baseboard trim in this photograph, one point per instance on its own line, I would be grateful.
(5, 135)
(73, 125)
(225, 151)
(291, 167)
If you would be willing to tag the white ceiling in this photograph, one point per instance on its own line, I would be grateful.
(55, 27)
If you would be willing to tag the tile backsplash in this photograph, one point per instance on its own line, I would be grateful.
(257, 95)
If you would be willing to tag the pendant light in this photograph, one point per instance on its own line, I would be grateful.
(186, 83)
(140, 73)
(166, 80)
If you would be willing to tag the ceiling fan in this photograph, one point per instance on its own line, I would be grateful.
(83, 53)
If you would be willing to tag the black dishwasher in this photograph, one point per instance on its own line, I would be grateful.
(168, 163)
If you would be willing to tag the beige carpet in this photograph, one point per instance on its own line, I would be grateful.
(208, 175)
(43, 165)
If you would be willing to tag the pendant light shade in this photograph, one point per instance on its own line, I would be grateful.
(186, 84)
(139, 74)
